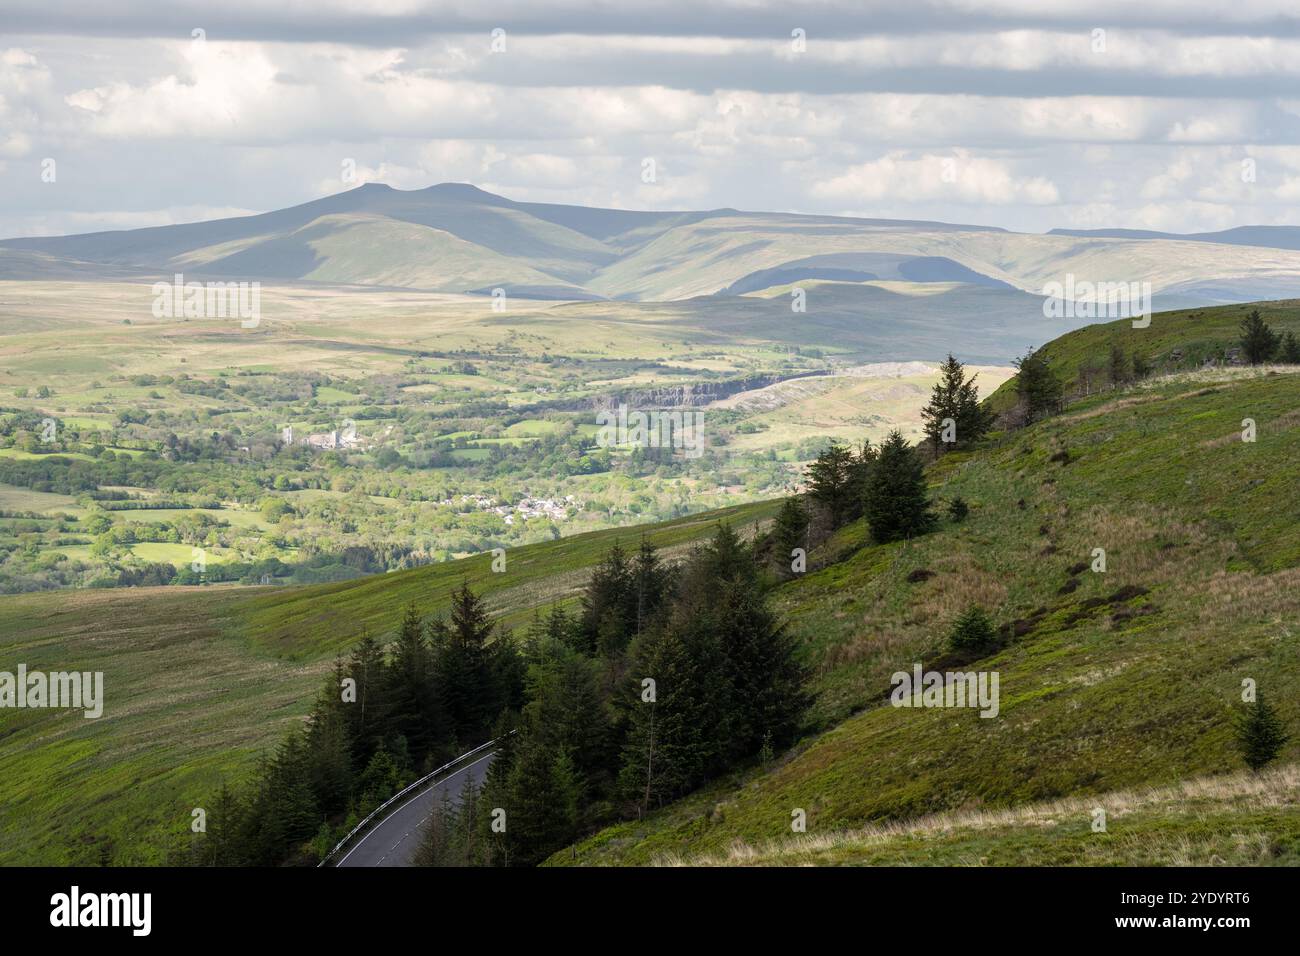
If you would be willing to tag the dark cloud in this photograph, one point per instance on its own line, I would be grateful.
(366, 23)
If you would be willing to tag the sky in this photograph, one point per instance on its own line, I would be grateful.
(1027, 114)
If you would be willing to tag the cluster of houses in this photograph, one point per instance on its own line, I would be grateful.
(554, 508)
(338, 438)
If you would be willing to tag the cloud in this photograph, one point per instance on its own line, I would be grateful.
(956, 178)
(1031, 121)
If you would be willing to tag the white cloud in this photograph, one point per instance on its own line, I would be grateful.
(1038, 129)
(959, 178)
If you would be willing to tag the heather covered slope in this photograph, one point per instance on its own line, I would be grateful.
(1109, 681)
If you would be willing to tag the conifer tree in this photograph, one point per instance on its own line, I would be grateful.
(222, 845)
(954, 410)
(1260, 733)
(284, 813)
(462, 662)
(765, 699)
(860, 466)
(651, 582)
(972, 630)
(379, 780)
(672, 739)
(830, 482)
(415, 710)
(367, 714)
(1289, 350)
(1037, 386)
(542, 802)
(789, 531)
(897, 503)
(566, 713)
(330, 759)
(608, 603)
(1259, 342)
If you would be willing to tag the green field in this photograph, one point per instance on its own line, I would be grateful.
(24, 499)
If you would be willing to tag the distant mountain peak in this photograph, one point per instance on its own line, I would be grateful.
(467, 192)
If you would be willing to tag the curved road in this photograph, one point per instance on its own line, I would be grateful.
(394, 840)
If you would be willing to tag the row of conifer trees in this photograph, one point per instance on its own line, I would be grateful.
(662, 677)
(666, 676)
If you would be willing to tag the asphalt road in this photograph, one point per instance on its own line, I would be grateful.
(394, 841)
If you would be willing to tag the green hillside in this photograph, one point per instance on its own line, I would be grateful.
(1198, 334)
(1109, 681)
(1236, 820)
(200, 681)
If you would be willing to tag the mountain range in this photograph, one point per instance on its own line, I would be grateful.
(454, 237)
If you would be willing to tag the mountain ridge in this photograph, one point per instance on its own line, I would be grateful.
(459, 238)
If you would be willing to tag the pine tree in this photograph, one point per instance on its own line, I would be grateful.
(608, 603)
(507, 669)
(726, 559)
(1289, 350)
(222, 845)
(958, 509)
(789, 531)
(954, 410)
(283, 814)
(650, 581)
(463, 669)
(671, 741)
(541, 802)
(1039, 389)
(367, 715)
(330, 755)
(859, 474)
(415, 711)
(897, 505)
(765, 699)
(830, 482)
(379, 780)
(1141, 367)
(1258, 340)
(1260, 734)
(971, 631)
(565, 711)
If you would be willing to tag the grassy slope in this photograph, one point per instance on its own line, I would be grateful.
(1198, 332)
(1102, 690)
(1237, 820)
(199, 681)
